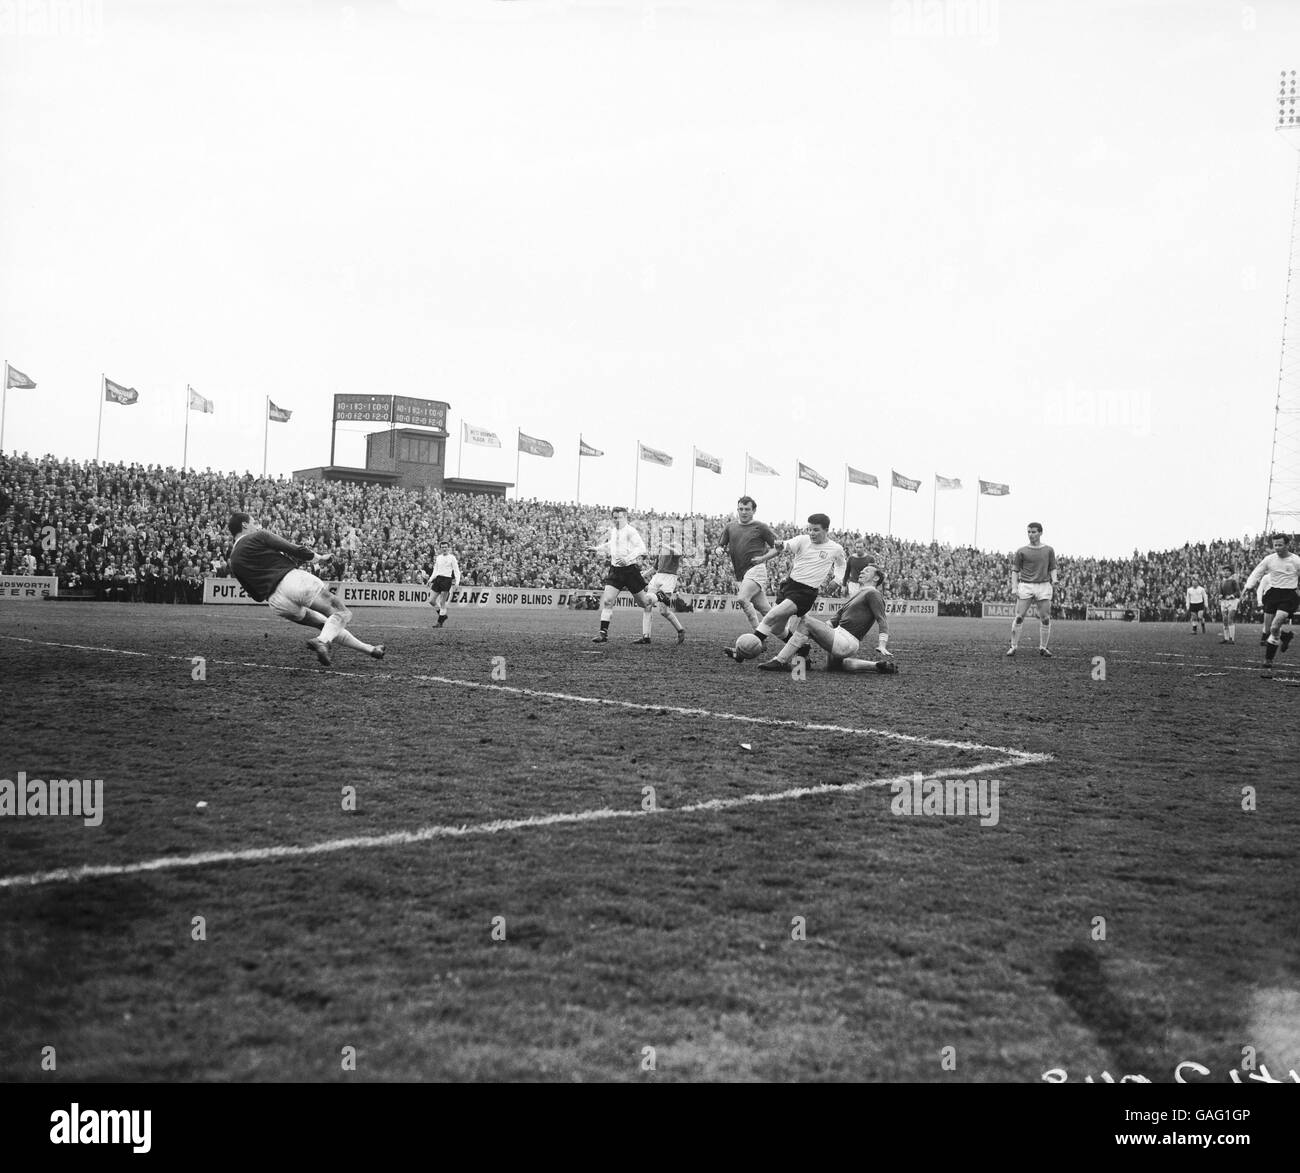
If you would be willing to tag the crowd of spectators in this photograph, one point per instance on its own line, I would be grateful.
(151, 534)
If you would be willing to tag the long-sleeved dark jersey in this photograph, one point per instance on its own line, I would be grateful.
(260, 560)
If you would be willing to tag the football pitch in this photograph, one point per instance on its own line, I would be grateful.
(506, 853)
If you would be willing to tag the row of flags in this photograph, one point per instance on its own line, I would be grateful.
(485, 438)
(115, 392)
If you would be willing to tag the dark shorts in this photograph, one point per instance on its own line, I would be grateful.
(803, 597)
(625, 578)
(440, 584)
(1196, 608)
(1279, 599)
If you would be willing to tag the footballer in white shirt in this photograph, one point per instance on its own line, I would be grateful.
(624, 547)
(443, 578)
(1282, 599)
(815, 559)
(1196, 603)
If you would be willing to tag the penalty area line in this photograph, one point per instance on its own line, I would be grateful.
(436, 832)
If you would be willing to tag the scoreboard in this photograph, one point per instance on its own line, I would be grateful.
(392, 409)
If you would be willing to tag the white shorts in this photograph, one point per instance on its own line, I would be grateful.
(844, 644)
(297, 591)
(1034, 590)
(757, 574)
(854, 587)
(1230, 605)
(663, 582)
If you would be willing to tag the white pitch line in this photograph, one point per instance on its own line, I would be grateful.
(775, 722)
(425, 834)
(1223, 668)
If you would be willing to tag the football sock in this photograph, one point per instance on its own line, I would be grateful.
(1016, 628)
(604, 622)
(1270, 650)
(330, 632)
(645, 622)
(443, 612)
(1044, 632)
(348, 640)
(677, 623)
(793, 644)
(748, 608)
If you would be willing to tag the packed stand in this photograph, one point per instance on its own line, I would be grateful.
(151, 534)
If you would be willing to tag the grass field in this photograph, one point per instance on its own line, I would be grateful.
(625, 928)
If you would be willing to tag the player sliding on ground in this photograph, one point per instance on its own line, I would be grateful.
(1282, 599)
(1033, 574)
(271, 571)
(815, 558)
(843, 635)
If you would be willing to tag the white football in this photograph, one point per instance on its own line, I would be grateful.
(748, 647)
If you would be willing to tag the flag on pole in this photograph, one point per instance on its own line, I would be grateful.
(946, 482)
(653, 455)
(198, 403)
(534, 447)
(585, 449)
(807, 473)
(993, 489)
(278, 415)
(480, 436)
(861, 478)
(15, 380)
(116, 393)
(902, 482)
(704, 460)
(759, 469)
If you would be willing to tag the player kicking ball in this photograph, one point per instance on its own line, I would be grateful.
(272, 571)
(814, 558)
(843, 635)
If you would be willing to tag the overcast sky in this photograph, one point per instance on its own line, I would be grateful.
(1039, 243)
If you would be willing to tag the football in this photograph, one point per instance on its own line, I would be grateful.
(748, 646)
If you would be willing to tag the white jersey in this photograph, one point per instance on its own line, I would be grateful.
(446, 566)
(623, 546)
(1196, 595)
(1283, 573)
(813, 562)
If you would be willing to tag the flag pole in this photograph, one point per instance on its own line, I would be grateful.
(889, 533)
(745, 491)
(975, 544)
(844, 501)
(185, 450)
(636, 483)
(4, 400)
(518, 433)
(794, 517)
(460, 451)
(934, 511)
(577, 492)
(266, 434)
(691, 507)
(99, 431)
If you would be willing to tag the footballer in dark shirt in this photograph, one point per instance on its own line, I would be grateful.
(272, 571)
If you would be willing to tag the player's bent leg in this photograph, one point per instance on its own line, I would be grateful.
(607, 601)
(348, 640)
